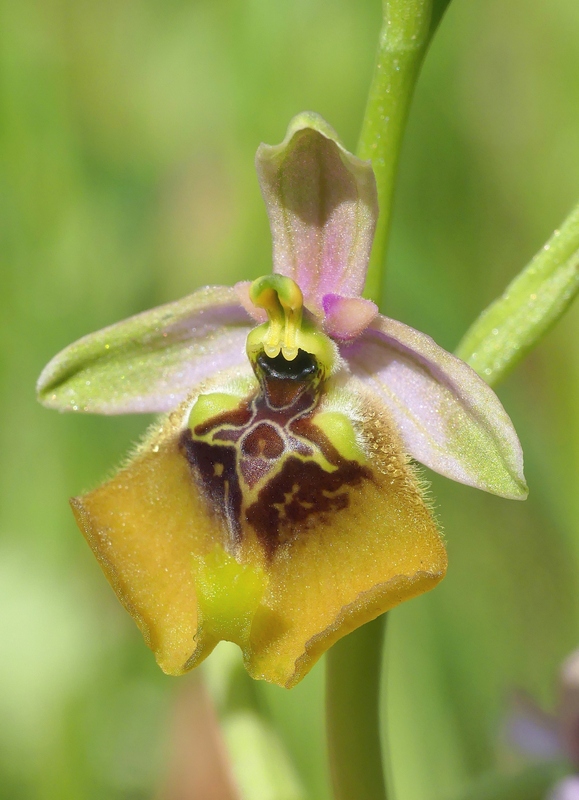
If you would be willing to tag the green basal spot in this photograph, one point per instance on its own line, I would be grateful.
(228, 595)
(339, 430)
(209, 406)
(287, 330)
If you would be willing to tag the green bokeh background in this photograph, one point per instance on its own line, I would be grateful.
(127, 135)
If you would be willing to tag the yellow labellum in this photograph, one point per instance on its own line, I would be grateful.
(169, 556)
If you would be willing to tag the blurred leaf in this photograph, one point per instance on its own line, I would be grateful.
(260, 762)
(533, 783)
(529, 307)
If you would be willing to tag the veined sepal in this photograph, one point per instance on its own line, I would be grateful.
(322, 206)
(150, 362)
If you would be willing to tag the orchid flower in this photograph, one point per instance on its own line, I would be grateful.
(276, 505)
(552, 737)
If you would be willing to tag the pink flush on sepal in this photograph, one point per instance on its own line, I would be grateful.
(322, 206)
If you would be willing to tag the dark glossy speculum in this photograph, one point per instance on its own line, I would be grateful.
(284, 382)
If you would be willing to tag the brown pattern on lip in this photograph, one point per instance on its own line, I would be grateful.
(259, 464)
(238, 417)
(296, 498)
(262, 441)
(217, 467)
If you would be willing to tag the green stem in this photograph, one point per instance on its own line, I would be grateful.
(353, 669)
(354, 663)
(406, 31)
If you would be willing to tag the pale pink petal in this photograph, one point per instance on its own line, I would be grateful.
(346, 317)
(449, 418)
(149, 362)
(322, 208)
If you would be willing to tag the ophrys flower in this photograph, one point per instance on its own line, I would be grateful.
(276, 505)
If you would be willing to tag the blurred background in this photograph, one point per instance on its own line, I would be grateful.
(127, 135)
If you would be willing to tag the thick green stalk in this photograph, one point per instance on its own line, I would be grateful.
(353, 669)
(354, 663)
(406, 31)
